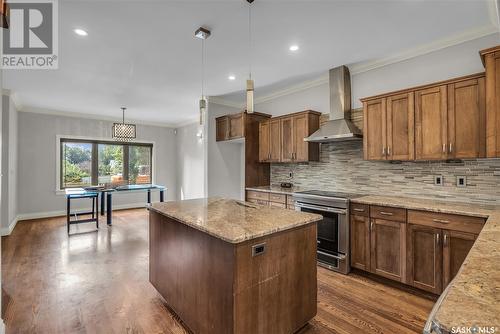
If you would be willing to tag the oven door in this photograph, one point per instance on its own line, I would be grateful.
(332, 235)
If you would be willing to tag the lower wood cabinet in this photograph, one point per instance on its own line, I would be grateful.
(456, 246)
(425, 256)
(419, 248)
(388, 249)
(360, 242)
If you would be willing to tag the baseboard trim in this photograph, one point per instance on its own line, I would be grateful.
(8, 230)
(50, 214)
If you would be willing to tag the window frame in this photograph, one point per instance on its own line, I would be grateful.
(60, 140)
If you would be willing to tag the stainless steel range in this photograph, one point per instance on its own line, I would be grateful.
(333, 229)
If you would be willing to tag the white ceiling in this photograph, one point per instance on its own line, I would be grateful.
(143, 55)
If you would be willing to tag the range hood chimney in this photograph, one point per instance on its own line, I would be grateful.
(339, 127)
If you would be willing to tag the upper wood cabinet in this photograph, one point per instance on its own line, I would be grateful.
(282, 138)
(491, 61)
(444, 120)
(235, 126)
(269, 140)
(430, 123)
(388, 128)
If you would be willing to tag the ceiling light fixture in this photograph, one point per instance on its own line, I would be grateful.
(250, 83)
(202, 34)
(294, 48)
(80, 32)
(123, 131)
(231, 77)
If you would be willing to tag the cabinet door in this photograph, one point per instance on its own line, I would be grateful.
(400, 127)
(467, 119)
(222, 128)
(264, 141)
(424, 258)
(360, 242)
(388, 249)
(431, 123)
(274, 140)
(456, 246)
(236, 126)
(287, 142)
(374, 138)
(492, 62)
(300, 131)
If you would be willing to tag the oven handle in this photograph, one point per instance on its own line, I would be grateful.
(338, 257)
(320, 208)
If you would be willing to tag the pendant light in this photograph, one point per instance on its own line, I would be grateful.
(123, 131)
(202, 34)
(250, 85)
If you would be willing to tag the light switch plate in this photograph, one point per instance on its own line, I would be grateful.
(438, 180)
(461, 181)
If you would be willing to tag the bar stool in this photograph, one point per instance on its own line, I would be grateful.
(95, 209)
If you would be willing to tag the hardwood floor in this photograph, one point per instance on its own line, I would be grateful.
(97, 282)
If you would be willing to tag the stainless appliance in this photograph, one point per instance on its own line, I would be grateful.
(333, 229)
(339, 127)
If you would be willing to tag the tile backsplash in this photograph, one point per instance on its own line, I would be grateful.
(342, 168)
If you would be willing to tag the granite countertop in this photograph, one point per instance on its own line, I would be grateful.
(473, 297)
(277, 189)
(231, 220)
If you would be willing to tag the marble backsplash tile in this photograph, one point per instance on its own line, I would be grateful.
(342, 168)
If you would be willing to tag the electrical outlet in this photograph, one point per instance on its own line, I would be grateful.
(438, 180)
(461, 181)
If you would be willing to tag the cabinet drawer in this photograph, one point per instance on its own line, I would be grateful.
(388, 213)
(257, 201)
(446, 221)
(277, 205)
(360, 209)
(277, 198)
(257, 195)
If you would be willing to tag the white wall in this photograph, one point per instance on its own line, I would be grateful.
(37, 156)
(225, 167)
(454, 61)
(9, 166)
(190, 162)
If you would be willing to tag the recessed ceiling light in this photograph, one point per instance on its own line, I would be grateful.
(231, 77)
(294, 47)
(80, 32)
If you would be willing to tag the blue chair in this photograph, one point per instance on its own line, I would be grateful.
(71, 195)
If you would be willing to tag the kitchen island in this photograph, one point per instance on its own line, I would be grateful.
(226, 266)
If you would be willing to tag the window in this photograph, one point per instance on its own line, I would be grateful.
(90, 162)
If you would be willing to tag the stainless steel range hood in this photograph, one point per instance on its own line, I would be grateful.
(339, 127)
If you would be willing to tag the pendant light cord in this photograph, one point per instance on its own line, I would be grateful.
(123, 115)
(202, 68)
(250, 40)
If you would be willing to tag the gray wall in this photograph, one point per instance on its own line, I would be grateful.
(37, 194)
(454, 61)
(225, 167)
(190, 162)
(9, 165)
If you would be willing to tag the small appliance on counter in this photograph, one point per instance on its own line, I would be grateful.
(333, 229)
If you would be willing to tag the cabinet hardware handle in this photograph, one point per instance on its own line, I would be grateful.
(388, 150)
(371, 225)
(383, 151)
(451, 147)
(442, 221)
(386, 213)
(444, 148)
(437, 238)
(359, 210)
(445, 240)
